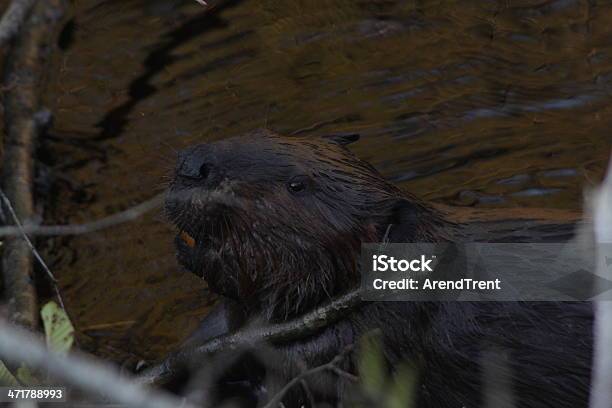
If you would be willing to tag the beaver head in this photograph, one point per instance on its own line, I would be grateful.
(277, 222)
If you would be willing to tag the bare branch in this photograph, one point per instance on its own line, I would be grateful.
(25, 67)
(301, 327)
(88, 227)
(13, 19)
(79, 370)
(332, 366)
(39, 258)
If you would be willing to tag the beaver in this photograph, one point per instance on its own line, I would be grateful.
(276, 224)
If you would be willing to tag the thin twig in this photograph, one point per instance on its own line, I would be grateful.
(39, 258)
(81, 371)
(301, 327)
(88, 227)
(345, 374)
(13, 19)
(330, 366)
(309, 396)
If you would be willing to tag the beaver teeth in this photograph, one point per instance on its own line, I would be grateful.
(187, 239)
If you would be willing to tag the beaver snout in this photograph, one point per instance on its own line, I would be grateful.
(198, 167)
(193, 164)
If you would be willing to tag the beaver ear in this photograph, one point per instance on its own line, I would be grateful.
(342, 139)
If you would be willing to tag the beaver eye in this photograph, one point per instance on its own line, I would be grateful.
(298, 184)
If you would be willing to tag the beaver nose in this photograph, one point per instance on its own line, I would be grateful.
(192, 165)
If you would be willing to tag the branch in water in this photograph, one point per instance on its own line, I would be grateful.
(301, 327)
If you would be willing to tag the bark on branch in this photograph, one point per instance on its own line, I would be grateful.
(88, 227)
(25, 69)
(280, 333)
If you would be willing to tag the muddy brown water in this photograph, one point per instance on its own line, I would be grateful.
(483, 104)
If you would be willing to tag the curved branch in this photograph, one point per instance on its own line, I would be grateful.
(85, 228)
(332, 366)
(301, 327)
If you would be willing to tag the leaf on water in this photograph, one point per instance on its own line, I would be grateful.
(6, 378)
(59, 331)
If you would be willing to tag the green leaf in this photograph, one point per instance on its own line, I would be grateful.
(59, 331)
(26, 377)
(372, 366)
(6, 378)
(402, 393)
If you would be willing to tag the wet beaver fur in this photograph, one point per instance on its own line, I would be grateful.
(276, 224)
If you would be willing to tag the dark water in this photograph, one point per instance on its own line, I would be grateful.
(483, 103)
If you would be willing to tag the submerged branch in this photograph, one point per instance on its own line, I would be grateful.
(301, 327)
